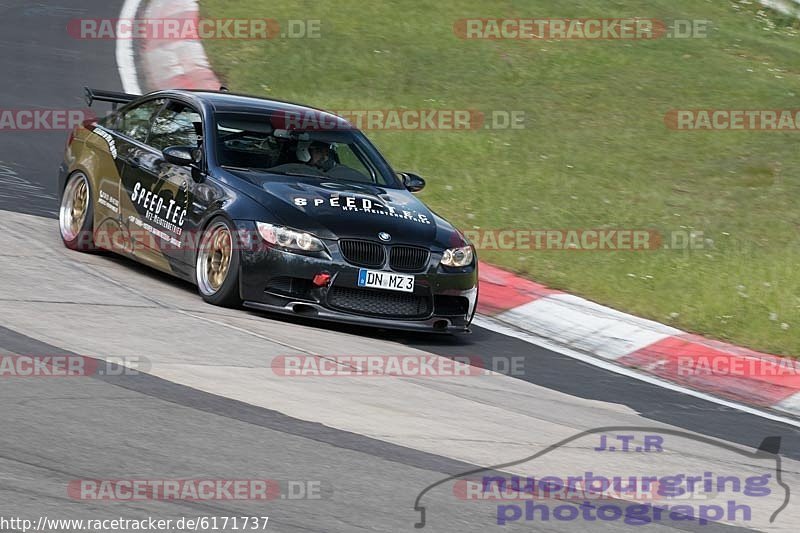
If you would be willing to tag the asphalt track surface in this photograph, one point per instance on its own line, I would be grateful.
(209, 407)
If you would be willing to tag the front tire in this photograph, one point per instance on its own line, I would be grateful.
(217, 267)
(76, 214)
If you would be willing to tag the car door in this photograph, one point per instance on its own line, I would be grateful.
(172, 208)
(132, 127)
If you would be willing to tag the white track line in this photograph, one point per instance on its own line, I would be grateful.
(126, 62)
(497, 327)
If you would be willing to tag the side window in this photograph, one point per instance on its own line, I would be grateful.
(176, 125)
(135, 122)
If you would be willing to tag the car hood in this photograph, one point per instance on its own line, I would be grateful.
(335, 210)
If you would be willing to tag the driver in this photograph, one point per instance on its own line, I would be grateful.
(316, 154)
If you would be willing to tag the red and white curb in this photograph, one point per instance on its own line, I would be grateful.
(520, 307)
(173, 64)
(714, 367)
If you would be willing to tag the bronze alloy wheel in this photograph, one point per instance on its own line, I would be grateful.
(74, 207)
(214, 258)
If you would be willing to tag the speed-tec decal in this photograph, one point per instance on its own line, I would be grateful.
(361, 205)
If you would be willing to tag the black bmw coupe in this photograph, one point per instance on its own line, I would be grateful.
(266, 204)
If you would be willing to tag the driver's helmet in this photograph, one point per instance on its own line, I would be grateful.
(304, 149)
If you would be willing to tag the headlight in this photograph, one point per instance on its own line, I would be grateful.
(289, 238)
(458, 257)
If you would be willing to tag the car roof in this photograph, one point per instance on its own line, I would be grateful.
(228, 102)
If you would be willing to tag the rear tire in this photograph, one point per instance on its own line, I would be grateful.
(217, 265)
(76, 214)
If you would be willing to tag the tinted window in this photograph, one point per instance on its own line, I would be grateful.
(135, 122)
(176, 125)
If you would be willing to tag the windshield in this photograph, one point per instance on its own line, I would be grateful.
(250, 141)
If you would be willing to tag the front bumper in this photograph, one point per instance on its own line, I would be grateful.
(434, 324)
(275, 280)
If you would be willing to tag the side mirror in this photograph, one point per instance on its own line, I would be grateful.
(412, 182)
(179, 155)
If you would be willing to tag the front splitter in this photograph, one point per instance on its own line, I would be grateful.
(440, 325)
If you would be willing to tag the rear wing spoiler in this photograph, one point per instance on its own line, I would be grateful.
(108, 96)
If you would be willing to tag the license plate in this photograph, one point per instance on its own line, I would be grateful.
(385, 280)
